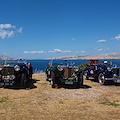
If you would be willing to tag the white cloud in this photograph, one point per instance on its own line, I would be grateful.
(54, 51)
(6, 26)
(51, 51)
(73, 38)
(60, 51)
(26, 52)
(77, 51)
(8, 30)
(11, 34)
(67, 51)
(80, 51)
(57, 50)
(19, 30)
(33, 52)
(117, 37)
(6, 33)
(101, 41)
(99, 49)
(83, 51)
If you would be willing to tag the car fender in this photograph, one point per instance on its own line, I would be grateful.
(102, 71)
(23, 70)
(54, 69)
(79, 71)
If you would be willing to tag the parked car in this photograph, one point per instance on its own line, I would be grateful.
(14, 72)
(64, 73)
(102, 72)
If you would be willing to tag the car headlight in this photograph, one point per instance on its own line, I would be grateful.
(108, 68)
(115, 76)
(17, 68)
(76, 68)
(1, 68)
(60, 67)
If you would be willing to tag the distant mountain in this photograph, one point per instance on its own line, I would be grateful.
(2, 57)
(97, 56)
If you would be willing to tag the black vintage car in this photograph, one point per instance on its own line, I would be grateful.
(102, 72)
(64, 73)
(14, 72)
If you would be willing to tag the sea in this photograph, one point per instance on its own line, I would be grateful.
(40, 65)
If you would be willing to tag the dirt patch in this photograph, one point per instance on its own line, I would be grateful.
(40, 102)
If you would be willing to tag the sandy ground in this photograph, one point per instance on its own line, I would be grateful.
(41, 102)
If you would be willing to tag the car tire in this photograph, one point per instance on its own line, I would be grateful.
(96, 78)
(47, 78)
(30, 77)
(52, 79)
(23, 80)
(80, 79)
(101, 79)
(86, 77)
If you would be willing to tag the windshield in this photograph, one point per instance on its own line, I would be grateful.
(62, 62)
(15, 62)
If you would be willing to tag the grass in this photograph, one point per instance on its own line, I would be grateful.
(46, 103)
(4, 99)
(44, 83)
(61, 102)
(110, 103)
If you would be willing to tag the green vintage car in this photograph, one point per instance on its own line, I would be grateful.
(64, 73)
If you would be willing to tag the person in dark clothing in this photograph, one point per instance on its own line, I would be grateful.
(30, 70)
(105, 65)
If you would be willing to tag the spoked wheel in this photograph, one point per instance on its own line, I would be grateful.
(52, 79)
(101, 79)
(86, 77)
(80, 79)
(23, 80)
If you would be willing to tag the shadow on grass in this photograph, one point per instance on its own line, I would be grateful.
(29, 85)
(74, 86)
(108, 82)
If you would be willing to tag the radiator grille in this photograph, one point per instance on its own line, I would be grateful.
(8, 71)
(67, 72)
(116, 71)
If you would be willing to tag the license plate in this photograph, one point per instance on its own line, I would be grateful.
(6, 81)
(70, 83)
(117, 81)
(11, 83)
(1, 83)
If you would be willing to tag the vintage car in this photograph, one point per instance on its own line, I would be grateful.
(64, 73)
(102, 72)
(14, 72)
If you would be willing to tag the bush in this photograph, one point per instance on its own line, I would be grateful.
(83, 66)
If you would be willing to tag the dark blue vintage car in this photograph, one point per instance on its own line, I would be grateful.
(64, 73)
(14, 72)
(102, 72)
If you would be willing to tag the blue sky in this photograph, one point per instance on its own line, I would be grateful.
(38, 29)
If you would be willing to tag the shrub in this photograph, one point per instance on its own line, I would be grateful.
(83, 66)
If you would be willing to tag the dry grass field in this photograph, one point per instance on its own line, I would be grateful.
(40, 102)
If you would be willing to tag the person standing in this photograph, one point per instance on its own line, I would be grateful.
(30, 70)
